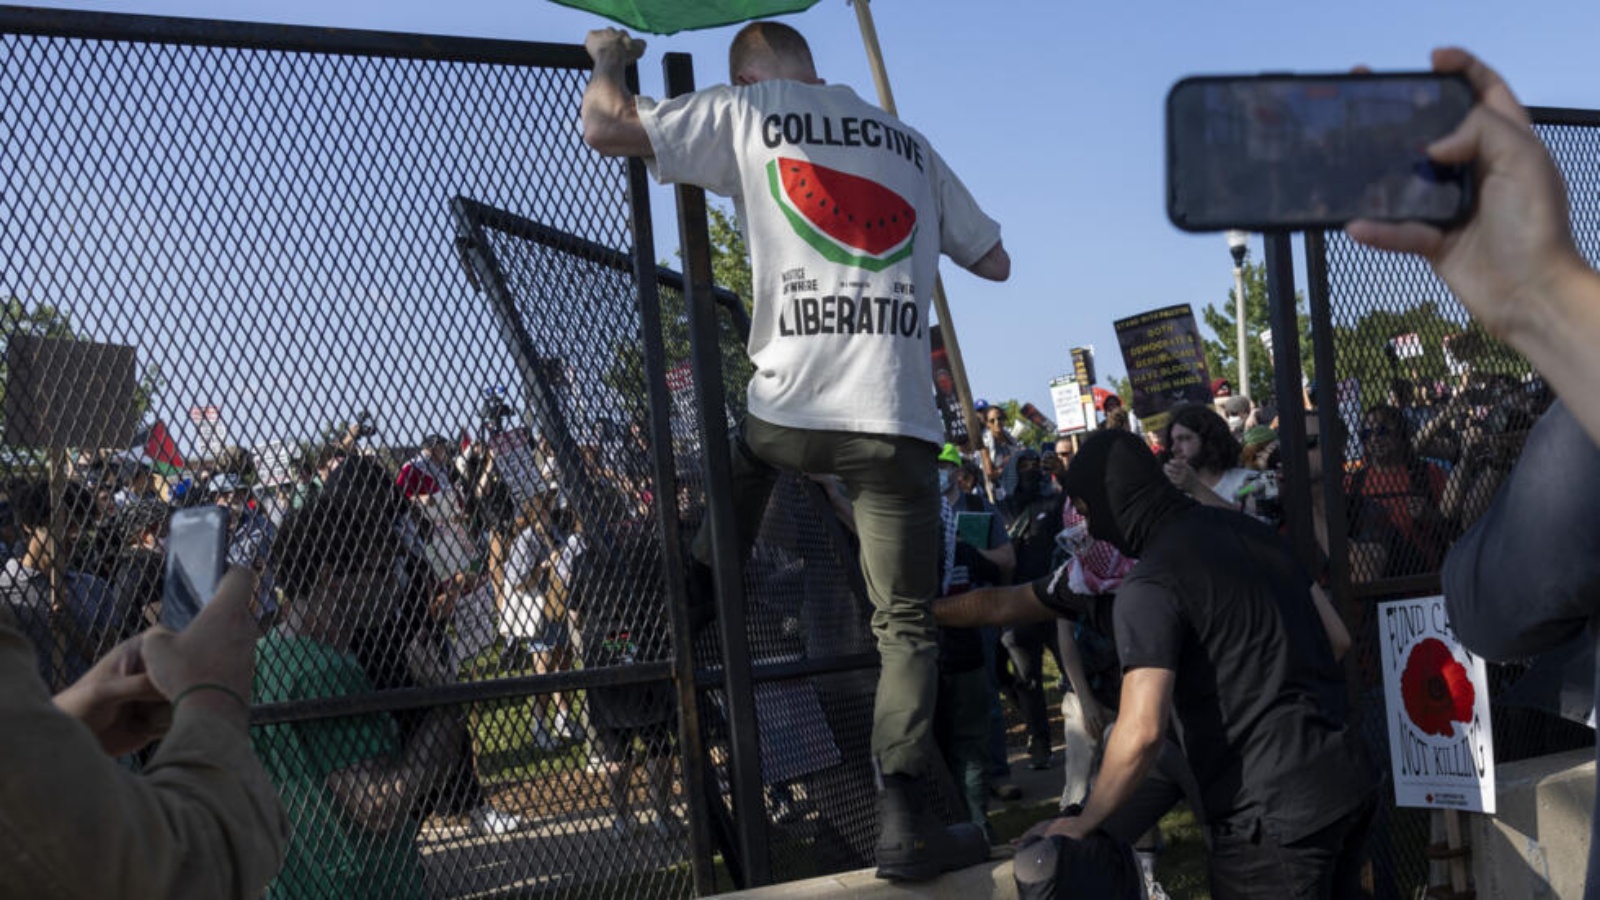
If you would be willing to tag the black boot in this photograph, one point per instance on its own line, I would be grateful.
(912, 844)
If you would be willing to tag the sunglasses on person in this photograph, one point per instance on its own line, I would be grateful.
(1372, 431)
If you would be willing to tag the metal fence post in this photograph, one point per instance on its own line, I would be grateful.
(691, 750)
(728, 570)
(1287, 385)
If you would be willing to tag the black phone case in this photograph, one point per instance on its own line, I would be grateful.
(1469, 181)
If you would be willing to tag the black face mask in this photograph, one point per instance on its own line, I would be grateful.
(1127, 494)
(1029, 482)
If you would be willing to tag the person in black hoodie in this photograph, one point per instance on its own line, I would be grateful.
(1216, 624)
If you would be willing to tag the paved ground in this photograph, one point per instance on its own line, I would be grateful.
(584, 849)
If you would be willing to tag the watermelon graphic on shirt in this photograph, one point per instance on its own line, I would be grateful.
(846, 218)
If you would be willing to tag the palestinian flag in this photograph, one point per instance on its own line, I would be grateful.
(157, 449)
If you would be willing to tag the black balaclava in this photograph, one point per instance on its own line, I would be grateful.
(1030, 481)
(1128, 495)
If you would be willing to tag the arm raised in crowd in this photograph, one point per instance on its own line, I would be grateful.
(1514, 263)
(609, 110)
(202, 820)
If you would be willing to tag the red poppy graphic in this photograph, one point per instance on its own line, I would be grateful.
(1436, 689)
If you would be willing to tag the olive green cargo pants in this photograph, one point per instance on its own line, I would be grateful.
(893, 482)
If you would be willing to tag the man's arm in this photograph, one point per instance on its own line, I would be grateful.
(379, 794)
(994, 265)
(610, 114)
(1094, 718)
(202, 820)
(1135, 743)
(1014, 605)
(1338, 634)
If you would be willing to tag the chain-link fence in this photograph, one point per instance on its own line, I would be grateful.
(1434, 412)
(370, 295)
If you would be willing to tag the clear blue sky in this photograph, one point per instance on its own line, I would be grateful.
(1051, 113)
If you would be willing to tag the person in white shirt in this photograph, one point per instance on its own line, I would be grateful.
(846, 211)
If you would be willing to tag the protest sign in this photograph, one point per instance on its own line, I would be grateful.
(473, 625)
(275, 463)
(211, 433)
(944, 392)
(1065, 397)
(518, 468)
(1083, 367)
(1436, 695)
(63, 393)
(1166, 363)
(1406, 346)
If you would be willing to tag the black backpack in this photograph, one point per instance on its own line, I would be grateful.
(1099, 867)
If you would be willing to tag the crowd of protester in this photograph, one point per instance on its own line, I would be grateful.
(357, 575)
(365, 575)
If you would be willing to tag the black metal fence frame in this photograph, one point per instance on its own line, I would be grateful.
(736, 826)
(1349, 596)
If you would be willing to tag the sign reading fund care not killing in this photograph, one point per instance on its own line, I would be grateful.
(1436, 696)
(1166, 363)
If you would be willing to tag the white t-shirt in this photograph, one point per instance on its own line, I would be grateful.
(1232, 482)
(845, 210)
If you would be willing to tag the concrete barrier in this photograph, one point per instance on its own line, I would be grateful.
(1537, 846)
(992, 879)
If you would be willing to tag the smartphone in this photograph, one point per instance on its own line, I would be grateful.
(1302, 152)
(197, 557)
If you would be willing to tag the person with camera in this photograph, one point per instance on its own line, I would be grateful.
(997, 454)
(200, 820)
(1526, 577)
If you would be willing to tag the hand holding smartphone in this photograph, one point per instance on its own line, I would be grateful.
(1300, 152)
(197, 556)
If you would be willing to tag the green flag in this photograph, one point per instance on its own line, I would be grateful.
(673, 16)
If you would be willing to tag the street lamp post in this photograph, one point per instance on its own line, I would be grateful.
(1239, 246)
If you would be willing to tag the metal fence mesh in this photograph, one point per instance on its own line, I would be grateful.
(443, 490)
(285, 257)
(1436, 412)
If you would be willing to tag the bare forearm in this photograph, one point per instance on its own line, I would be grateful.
(1560, 341)
(1338, 634)
(610, 113)
(1129, 755)
(1210, 498)
(991, 606)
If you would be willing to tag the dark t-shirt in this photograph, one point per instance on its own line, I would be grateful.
(618, 598)
(1218, 599)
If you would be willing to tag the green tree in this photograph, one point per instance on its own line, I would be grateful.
(1368, 352)
(730, 270)
(1027, 432)
(1123, 388)
(1222, 354)
(730, 258)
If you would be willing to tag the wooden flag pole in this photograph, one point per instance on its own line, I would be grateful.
(958, 369)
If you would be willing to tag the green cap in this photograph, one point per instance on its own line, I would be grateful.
(1260, 434)
(950, 455)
